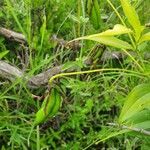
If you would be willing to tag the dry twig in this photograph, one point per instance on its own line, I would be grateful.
(11, 72)
(11, 35)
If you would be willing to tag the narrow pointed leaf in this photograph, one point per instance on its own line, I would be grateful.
(2, 54)
(107, 40)
(117, 30)
(132, 17)
(93, 9)
(95, 17)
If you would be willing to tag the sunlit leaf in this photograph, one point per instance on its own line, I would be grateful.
(132, 17)
(107, 40)
(141, 103)
(117, 30)
(143, 125)
(139, 117)
(138, 99)
(145, 37)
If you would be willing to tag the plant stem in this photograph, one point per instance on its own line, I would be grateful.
(83, 31)
(38, 139)
(78, 14)
(93, 71)
(140, 67)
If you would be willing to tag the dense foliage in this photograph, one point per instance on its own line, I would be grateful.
(105, 101)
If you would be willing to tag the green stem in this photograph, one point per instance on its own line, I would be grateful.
(83, 31)
(38, 138)
(140, 67)
(93, 71)
(78, 14)
(32, 128)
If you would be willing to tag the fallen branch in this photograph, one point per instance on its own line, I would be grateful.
(11, 72)
(13, 36)
(43, 78)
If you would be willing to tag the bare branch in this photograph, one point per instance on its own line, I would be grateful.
(43, 78)
(11, 35)
(10, 72)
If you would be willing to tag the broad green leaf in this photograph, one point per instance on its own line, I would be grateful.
(139, 117)
(2, 54)
(107, 37)
(132, 17)
(117, 30)
(140, 104)
(107, 40)
(143, 125)
(140, 120)
(145, 37)
(134, 95)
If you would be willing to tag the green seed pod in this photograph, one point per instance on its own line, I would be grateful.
(50, 103)
(57, 104)
(40, 116)
(49, 107)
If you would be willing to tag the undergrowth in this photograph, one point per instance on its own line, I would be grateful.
(90, 101)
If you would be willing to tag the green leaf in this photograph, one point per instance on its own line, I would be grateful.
(43, 31)
(117, 30)
(145, 37)
(107, 40)
(132, 17)
(140, 120)
(140, 104)
(93, 9)
(2, 54)
(143, 125)
(136, 95)
(139, 117)
(107, 37)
